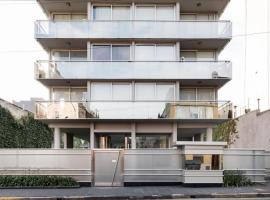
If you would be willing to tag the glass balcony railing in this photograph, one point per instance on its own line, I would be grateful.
(132, 70)
(134, 110)
(133, 29)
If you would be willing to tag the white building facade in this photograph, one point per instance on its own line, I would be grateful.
(136, 83)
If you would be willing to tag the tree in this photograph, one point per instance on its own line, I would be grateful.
(226, 132)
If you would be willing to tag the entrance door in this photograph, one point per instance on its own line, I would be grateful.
(108, 166)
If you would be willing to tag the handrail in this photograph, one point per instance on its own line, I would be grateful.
(55, 21)
(114, 61)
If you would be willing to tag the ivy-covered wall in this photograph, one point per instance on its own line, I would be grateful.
(25, 132)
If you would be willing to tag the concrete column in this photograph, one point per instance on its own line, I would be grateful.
(88, 91)
(177, 11)
(65, 140)
(89, 50)
(177, 90)
(57, 138)
(202, 137)
(92, 136)
(133, 11)
(69, 141)
(132, 51)
(89, 11)
(209, 134)
(133, 135)
(174, 134)
(177, 51)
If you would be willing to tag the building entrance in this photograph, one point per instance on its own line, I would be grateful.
(108, 167)
(114, 141)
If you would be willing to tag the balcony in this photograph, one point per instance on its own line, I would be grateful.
(220, 31)
(49, 72)
(125, 110)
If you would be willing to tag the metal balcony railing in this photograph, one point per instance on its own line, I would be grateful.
(133, 110)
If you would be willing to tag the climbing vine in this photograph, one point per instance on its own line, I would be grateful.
(25, 132)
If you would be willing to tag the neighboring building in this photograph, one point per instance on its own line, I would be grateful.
(15, 110)
(253, 130)
(136, 75)
(28, 105)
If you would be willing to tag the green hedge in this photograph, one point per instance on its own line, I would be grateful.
(235, 178)
(23, 133)
(37, 181)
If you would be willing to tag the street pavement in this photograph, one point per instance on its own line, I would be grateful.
(143, 192)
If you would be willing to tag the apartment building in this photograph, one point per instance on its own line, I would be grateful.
(132, 76)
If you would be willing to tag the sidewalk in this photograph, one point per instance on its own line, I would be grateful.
(145, 192)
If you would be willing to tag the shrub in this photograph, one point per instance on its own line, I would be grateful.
(37, 181)
(235, 178)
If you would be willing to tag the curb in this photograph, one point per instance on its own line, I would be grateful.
(173, 196)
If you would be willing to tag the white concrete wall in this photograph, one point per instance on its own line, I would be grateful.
(250, 162)
(73, 163)
(253, 129)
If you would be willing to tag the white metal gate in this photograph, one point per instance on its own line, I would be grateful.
(108, 167)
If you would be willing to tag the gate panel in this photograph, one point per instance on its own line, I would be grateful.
(108, 165)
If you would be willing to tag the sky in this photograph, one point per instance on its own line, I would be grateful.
(19, 50)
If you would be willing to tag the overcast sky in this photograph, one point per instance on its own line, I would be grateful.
(19, 50)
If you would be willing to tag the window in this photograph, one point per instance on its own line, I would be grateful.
(205, 94)
(110, 52)
(121, 13)
(154, 52)
(101, 52)
(78, 55)
(145, 91)
(101, 12)
(203, 162)
(188, 94)
(144, 52)
(60, 55)
(69, 16)
(165, 92)
(199, 94)
(78, 94)
(145, 12)
(196, 16)
(165, 13)
(165, 52)
(111, 12)
(188, 55)
(205, 56)
(120, 52)
(152, 141)
(60, 94)
(110, 91)
(121, 91)
(154, 91)
(101, 91)
(67, 55)
(155, 12)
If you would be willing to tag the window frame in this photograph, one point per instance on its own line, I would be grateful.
(69, 91)
(196, 93)
(155, 11)
(111, 45)
(111, 11)
(110, 84)
(155, 91)
(155, 50)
